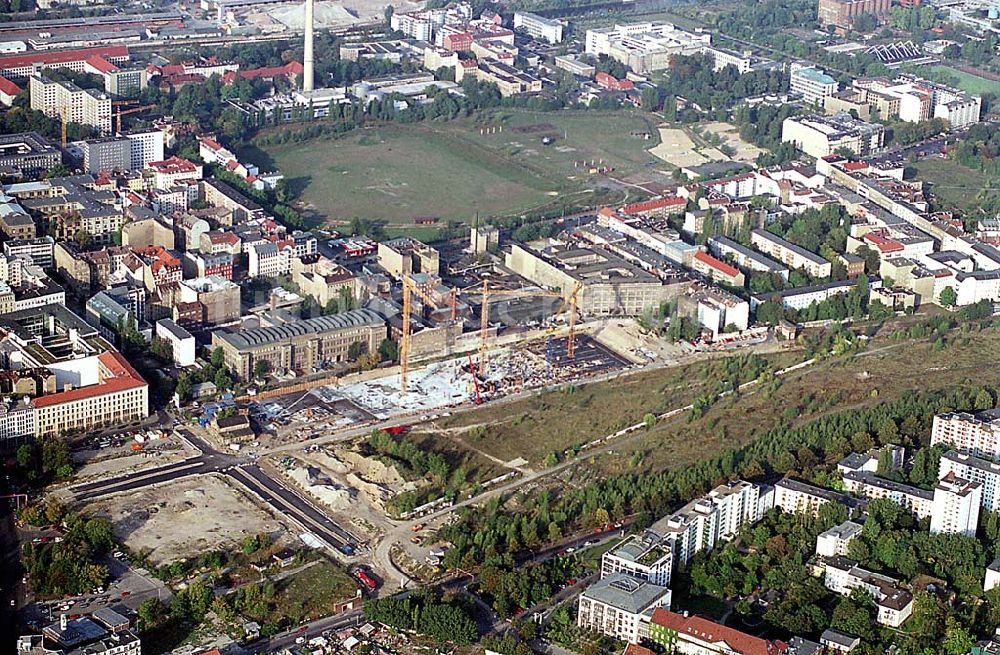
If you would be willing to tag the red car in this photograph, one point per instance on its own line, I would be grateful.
(366, 580)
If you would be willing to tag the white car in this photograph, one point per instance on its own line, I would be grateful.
(300, 640)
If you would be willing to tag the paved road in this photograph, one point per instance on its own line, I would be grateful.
(287, 502)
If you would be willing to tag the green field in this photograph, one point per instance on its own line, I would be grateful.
(452, 170)
(967, 81)
(956, 185)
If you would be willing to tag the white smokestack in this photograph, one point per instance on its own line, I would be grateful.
(307, 56)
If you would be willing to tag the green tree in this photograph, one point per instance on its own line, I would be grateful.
(948, 297)
(261, 368)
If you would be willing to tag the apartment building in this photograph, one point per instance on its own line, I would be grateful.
(956, 506)
(835, 541)
(146, 146)
(894, 603)
(717, 270)
(118, 396)
(405, 256)
(71, 103)
(301, 345)
(168, 173)
(24, 65)
(913, 99)
(17, 423)
(539, 27)
(691, 529)
(39, 250)
(812, 84)
(842, 13)
(108, 154)
(983, 471)
(182, 344)
(644, 556)
(616, 606)
(796, 497)
(684, 634)
(722, 246)
(975, 434)
(821, 136)
(738, 504)
(790, 254)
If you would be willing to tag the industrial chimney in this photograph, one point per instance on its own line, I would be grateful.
(307, 56)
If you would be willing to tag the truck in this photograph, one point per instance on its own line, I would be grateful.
(365, 579)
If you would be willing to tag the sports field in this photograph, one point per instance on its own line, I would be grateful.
(495, 164)
(969, 82)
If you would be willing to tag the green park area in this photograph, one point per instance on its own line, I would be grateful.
(502, 163)
(958, 186)
(968, 81)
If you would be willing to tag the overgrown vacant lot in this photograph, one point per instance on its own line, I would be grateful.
(881, 374)
(494, 164)
(553, 421)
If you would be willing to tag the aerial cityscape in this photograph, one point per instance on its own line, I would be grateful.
(500, 327)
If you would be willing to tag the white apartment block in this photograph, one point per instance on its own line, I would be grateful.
(992, 578)
(617, 605)
(17, 420)
(146, 146)
(956, 506)
(983, 471)
(920, 100)
(268, 260)
(181, 341)
(919, 502)
(539, 27)
(813, 84)
(737, 504)
(691, 529)
(976, 434)
(796, 497)
(894, 604)
(819, 136)
(836, 540)
(790, 254)
(645, 47)
(71, 103)
(646, 557)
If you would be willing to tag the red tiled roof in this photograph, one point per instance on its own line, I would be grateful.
(717, 264)
(883, 243)
(714, 633)
(62, 57)
(123, 377)
(636, 649)
(650, 205)
(855, 165)
(8, 87)
(173, 165)
(605, 211)
(211, 143)
(291, 68)
(101, 64)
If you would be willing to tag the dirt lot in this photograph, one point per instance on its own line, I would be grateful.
(745, 152)
(354, 488)
(677, 148)
(183, 519)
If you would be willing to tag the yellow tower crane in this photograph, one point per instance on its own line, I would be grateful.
(569, 304)
(410, 287)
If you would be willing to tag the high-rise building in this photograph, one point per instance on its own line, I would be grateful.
(814, 85)
(71, 103)
(956, 506)
(983, 471)
(146, 146)
(975, 434)
(842, 13)
(539, 27)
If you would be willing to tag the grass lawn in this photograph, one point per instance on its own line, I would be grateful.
(953, 183)
(452, 170)
(968, 81)
(311, 593)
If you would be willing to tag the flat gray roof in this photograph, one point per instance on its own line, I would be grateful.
(625, 593)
